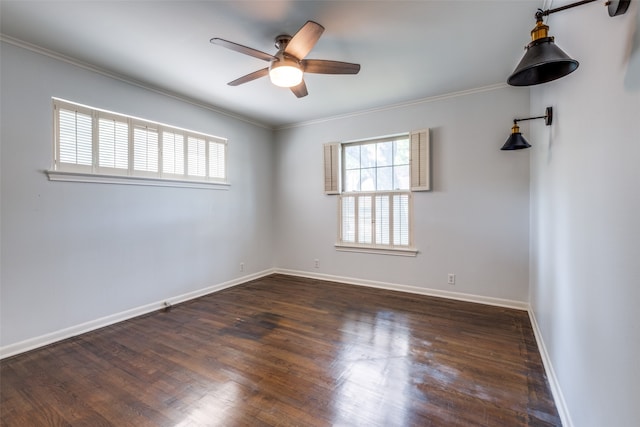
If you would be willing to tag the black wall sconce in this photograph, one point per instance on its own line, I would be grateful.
(516, 141)
(544, 61)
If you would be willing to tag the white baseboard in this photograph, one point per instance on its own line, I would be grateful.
(50, 338)
(519, 305)
(558, 397)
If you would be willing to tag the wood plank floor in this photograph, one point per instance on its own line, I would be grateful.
(286, 351)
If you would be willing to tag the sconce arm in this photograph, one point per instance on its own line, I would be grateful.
(548, 117)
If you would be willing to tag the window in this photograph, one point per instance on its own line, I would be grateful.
(95, 143)
(377, 166)
(375, 203)
(375, 180)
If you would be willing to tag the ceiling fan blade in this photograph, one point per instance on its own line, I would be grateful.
(243, 49)
(304, 40)
(249, 77)
(300, 90)
(323, 66)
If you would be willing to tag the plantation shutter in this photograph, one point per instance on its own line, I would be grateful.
(217, 156)
(145, 148)
(74, 133)
(113, 143)
(420, 161)
(172, 153)
(196, 156)
(332, 168)
(401, 236)
(348, 215)
(383, 220)
(365, 219)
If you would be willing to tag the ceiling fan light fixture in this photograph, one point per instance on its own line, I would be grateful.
(285, 73)
(287, 66)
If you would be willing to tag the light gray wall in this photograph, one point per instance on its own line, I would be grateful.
(585, 269)
(475, 222)
(75, 252)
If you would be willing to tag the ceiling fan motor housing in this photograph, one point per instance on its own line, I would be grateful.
(282, 41)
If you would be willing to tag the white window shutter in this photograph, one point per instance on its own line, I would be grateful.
(113, 142)
(420, 161)
(145, 148)
(73, 137)
(332, 168)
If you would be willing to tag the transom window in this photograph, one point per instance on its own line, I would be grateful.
(97, 142)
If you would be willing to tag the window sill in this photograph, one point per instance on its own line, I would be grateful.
(376, 250)
(133, 180)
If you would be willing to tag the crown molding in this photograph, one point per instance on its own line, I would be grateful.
(406, 104)
(126, 79)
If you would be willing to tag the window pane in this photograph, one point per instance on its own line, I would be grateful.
(352, 180)
(352, 157)
(382, 220)
(75, 133)
(377, 163)
(368, 179)
(368, 155)
(401, 177)
(113, 144)
(364, 219)
(197, 160)
(401, 219)
(384, 153)
(401, 152)
(348, 219)
(145, 149)
(384, 179)
(172, 153)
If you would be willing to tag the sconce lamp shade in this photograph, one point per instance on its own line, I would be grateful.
(543, 62)
(515, 141)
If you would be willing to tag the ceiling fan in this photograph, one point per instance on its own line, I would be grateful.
(287, 66)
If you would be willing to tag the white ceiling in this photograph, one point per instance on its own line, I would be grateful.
(408, 50)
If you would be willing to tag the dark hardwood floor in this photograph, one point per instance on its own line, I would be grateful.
(286, 351)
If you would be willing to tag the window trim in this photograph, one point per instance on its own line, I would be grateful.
(397, 251)
(63, 171)
(75, 176)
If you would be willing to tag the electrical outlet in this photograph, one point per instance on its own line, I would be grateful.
(316, 263)
(242, 266)
(451, 279)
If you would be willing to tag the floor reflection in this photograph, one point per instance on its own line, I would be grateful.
(214, 407)
(372, 370)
